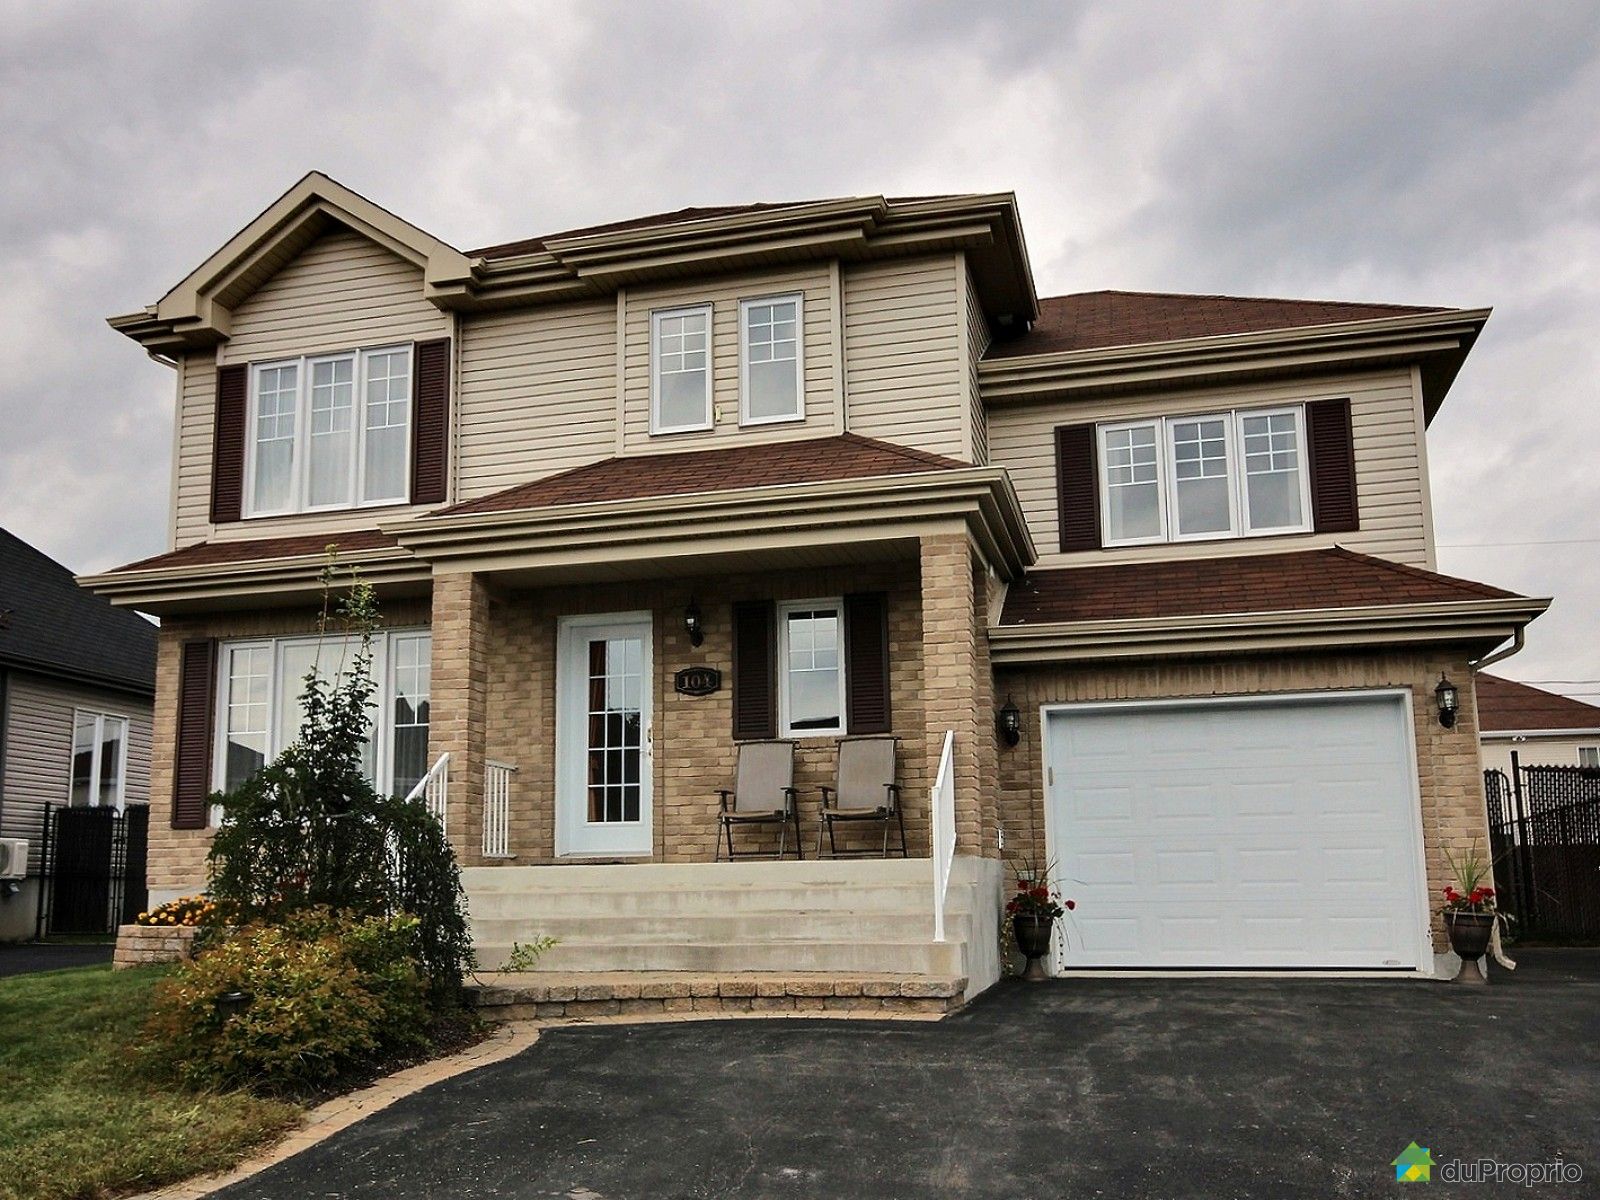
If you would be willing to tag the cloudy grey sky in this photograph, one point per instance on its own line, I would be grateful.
(1416, 153)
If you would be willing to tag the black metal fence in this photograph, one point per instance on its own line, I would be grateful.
(92, 868)
(1544, 834)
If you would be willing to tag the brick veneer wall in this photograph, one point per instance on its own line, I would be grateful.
(1449, 766)
(177, 856)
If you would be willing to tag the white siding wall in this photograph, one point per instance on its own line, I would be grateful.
(538, 394)
(1535, 751)
(822, 418)
(1390, 484)
(38, 749)
(904, 378)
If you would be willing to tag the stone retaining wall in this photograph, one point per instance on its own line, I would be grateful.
(142, 945)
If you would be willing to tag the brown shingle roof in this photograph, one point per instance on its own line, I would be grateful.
(1504, 704)
(1296, 580)
(217, 553)
(1093, 320)
(815, 460)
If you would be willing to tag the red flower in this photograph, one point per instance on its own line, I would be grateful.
(1022, 885)
(1071, 904)
(1451, 895)
(1040, 893)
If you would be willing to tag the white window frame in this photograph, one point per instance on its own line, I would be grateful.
(784, 609)
(277, 737)
(1166, 475)
(798, 299)
(300, 468)
(100, 719)
(1592, 753)
(658, 315)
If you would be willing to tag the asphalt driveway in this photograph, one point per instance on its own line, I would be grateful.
(24, 958)
(1118, 1088)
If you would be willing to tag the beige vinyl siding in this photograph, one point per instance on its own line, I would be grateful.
(723, 293)
(341, 293)
(1535, 750)
(1389, 471)
(38, 749)
(977, 343)
(904, 378)
(538, 394)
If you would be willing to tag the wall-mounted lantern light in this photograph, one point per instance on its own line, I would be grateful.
(1449, 699)
(693, 624)
(1010, 723)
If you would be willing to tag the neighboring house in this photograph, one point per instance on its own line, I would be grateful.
(1543, 728)
(77, 681)
(1186, 540)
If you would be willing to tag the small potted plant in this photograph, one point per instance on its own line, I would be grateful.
(1033, 909)
(1471, 916)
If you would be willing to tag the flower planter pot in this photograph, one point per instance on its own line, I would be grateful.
(1469, 938)
(1033, 939)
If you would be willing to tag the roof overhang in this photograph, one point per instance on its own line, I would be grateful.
(253, 583)
(1478, 624)
(1437, 342)
(198, 312)
(1527, 735)
(664, 535)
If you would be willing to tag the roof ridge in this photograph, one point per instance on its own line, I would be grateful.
(1420, 572)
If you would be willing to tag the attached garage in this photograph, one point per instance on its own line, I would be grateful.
(1272, 832)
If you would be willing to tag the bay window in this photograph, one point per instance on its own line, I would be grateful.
(810, 668)
(99, 759)
(259, 703)
(330, 431)
(1229, 474)
(680, 369)
(771, 360)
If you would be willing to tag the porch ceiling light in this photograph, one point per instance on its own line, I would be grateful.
(693, 624)
(1449, 699)
(1010, 723)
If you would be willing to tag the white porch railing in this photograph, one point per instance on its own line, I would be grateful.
(943, 809)
(497, 809)
(434, 787)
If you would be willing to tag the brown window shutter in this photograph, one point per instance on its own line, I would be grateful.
(1331, 448)
(191, 776)
(227, 451)
(1078, 488)
(430, 429)
(755, 682)
(866, 663)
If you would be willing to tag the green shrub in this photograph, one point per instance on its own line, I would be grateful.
(325, 992)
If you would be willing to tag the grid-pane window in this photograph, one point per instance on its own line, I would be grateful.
(681, 356)
(1201, 490)
(1133, 483)
(1271, 445)
(615, 729)
(247, 707)
(772, 371)
(99, 754)
(388, 424)
(410, 666)
(331, 431)
(277, 402)
(813, 670)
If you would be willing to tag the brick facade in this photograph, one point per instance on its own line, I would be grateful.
(1449, 767)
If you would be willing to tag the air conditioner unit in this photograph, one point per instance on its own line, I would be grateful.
(13, 858)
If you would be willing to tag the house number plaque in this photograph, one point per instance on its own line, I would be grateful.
(697, 681)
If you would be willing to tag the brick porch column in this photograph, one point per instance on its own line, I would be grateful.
(458, 703)
(957, 687)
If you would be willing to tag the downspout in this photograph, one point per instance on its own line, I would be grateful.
(1504, 652)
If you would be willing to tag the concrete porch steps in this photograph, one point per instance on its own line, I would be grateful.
(588, 995)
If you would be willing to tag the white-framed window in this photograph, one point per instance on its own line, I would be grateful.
(99, 759)
(1212, 475)
(680, 369)
(329, 431)
(1589, 756)
(259, 687)
(811, 667)
(771, 360)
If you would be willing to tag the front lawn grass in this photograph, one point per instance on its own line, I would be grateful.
(79, 1117)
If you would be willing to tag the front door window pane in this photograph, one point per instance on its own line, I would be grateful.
(812, 638)
(1272, 471)
(1133, 486)
(1200, 471)
(615, 729)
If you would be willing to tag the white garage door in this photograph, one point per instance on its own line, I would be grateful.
(1278, 833)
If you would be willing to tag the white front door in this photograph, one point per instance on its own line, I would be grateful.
(603, 684)
(1268, 832)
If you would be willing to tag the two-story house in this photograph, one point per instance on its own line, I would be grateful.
(1143, 584)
